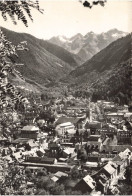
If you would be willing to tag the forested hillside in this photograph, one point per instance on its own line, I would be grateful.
(43, 62)
(107, 74)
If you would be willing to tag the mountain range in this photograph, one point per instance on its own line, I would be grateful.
(51, 68)
(88, 45)
(107, 73)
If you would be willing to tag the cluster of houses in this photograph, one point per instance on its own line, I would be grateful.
(105, 180)
(105, 140)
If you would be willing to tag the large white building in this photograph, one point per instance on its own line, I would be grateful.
(65, 128)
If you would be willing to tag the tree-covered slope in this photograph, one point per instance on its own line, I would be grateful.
(107, 73)
(43, 62)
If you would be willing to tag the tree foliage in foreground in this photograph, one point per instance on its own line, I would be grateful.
(93, 3)
(16, 10)
(9, 95)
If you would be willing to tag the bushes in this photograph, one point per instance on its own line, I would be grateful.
(42, 173)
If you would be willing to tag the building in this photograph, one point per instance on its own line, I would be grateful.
(124, 137)
(94, 142)
(128, 116)
(58, 175)
(110, 170)
(69, 152)
(86, 185)
(102, 182)
(76, 110)
(50, 167)
(115, 116)
(123, 159)
(79, 123)
(94, 127)
(108, 140)
(65, 128)
(29, 131)
(105, 176)
(128, 125)
(117, 148)
(43, 160)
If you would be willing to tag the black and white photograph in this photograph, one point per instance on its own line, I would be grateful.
(66, 97)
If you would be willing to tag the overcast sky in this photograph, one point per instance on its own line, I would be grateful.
(68, 17)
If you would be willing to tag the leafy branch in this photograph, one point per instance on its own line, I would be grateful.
(17, 8)
(90, 5)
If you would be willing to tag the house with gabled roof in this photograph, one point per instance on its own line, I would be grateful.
(94, 142)
(29, 131)
(110, 170)
(66, 128)
(58, 175)
(79, 123)
(123, 159)
(86, 185)
(102, 183)
(105, 176)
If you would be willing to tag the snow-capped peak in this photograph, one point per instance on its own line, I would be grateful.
(62, 38)
(118, 35)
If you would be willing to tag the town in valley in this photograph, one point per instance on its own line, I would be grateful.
(65, 97)
(67, 146)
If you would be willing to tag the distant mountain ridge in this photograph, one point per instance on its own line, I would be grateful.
(90, 44)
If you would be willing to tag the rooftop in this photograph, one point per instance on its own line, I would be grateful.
(66, 124)
(115, 114)
(109, 168)
(64, 119)
(89, 181)
(93, 137)
(30, 128)
(59, 174)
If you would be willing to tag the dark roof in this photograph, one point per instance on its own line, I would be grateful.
(93, 138)
(93, 158)
(103, 177)
(21, 140)
(117, 158)
(48, 160)
(108, 170)
(53, 145)
(128, 123)
(94, 125)
(85, 185)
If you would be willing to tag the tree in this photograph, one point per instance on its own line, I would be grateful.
(42, 172)
(58, 190)
(13, 179)
(75, 173)
(44, 182)
(17, 8)
(9, 95)
(90, 5)
(82, 154)
(70, 192)
(42, 192)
